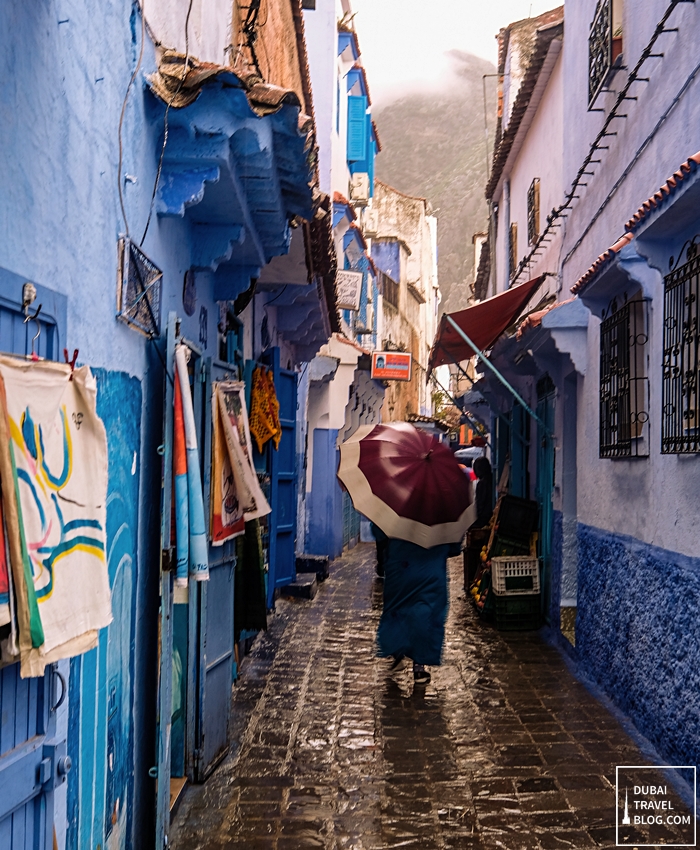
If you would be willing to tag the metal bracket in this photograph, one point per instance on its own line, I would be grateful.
(54, 766)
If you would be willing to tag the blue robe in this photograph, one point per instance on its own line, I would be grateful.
(415, 600)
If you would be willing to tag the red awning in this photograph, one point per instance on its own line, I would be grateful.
(483, 324)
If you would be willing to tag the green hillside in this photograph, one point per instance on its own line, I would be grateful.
(433, 146)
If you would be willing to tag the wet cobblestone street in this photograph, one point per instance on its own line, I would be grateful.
(504, 749)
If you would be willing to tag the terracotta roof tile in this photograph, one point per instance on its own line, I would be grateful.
(652, 204)
(603, 260)
(360, 235)
(669, 188)
(534, 320)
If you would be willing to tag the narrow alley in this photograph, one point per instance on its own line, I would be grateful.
(504, 749)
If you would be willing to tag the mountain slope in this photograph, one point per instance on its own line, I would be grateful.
(433, 146)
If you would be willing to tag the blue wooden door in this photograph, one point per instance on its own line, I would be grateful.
(283, 480)
(216, 609)
(29, 753)
(161, 771)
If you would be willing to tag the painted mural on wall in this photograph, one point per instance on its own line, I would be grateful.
(100, 735)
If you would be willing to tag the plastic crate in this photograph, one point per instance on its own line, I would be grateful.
(519, 613)
(515, 576)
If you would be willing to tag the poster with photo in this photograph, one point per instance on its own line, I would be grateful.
(237, 498)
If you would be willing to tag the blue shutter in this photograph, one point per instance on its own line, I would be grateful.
(357, 128)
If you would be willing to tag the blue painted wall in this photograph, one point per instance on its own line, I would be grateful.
(101, 729)
(324, 503)
(638, 636)
(387, 256)
(556, 561)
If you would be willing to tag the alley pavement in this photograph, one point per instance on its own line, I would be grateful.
(504, 749)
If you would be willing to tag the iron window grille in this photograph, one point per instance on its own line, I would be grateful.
(624, 382)
(600, 49)
(512, 249)
(680, 404)
(533, 211)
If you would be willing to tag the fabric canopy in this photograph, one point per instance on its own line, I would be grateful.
(483, 324)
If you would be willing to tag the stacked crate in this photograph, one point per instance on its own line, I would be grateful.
(515, 569)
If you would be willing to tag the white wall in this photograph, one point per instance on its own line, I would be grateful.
(209, 28)
(321, 28)
(649, 498)
(541, 155)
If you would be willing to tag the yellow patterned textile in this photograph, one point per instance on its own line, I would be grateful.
(260, 425)
(274, 410)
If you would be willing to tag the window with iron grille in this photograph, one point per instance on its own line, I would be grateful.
(533, 211)
(624, 383)
(604, 46)
(599, 49)
(680, 404)
(512, 249)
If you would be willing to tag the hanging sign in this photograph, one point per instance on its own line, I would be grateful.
(391, 365)
(348, 286)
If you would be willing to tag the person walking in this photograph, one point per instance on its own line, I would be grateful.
(412, 490)
(412, 625)
(484, 492)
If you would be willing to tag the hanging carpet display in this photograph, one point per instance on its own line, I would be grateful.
(53, 470)
(237, 497)
(264, 409)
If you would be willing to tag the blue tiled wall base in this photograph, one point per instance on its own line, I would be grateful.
(638, 636)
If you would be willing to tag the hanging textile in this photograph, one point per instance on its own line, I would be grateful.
(236, 494)
(273, 410)
(53, 449)
(198, 546)
(182, 516)
(250, 613)
(264, 409)
(5, 616)
(227, 499)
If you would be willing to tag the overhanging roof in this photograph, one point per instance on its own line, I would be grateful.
(548, 43)
(483, 324)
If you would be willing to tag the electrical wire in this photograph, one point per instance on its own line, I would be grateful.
(123, 111)
(640, 150)
(272, 300)
(177, 91)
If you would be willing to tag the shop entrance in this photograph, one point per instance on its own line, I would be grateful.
(545, 480)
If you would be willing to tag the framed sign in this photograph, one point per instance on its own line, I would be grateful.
(391, 365)
(348, 285)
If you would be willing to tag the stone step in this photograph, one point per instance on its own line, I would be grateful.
(318, 564)
(305, 587)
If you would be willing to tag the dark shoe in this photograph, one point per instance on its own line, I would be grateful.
(398, 663)
(421, 676)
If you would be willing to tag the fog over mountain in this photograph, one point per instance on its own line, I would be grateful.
(433, 146)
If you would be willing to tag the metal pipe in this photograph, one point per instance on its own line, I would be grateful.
(484, 359)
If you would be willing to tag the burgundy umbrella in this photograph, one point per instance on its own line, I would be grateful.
(408, 483)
